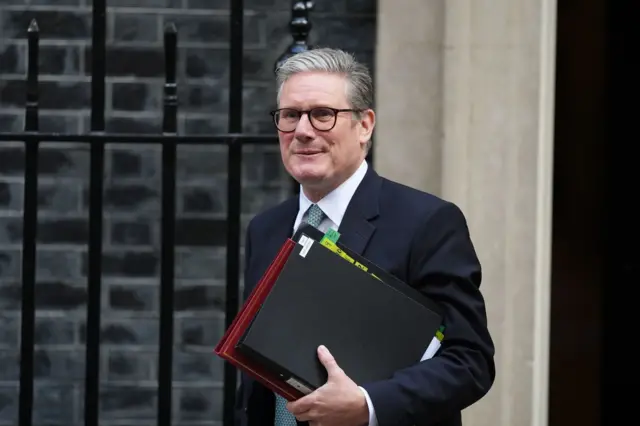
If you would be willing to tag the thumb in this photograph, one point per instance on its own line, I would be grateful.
(328, 361)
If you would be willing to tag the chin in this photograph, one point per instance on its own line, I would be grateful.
(304, 170)
(308, 174)
(308, 178)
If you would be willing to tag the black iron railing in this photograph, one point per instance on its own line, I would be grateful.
(169, 140)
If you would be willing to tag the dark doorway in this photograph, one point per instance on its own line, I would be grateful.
(591, 263)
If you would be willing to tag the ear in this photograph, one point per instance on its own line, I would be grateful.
(367, 123)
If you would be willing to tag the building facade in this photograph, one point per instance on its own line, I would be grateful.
(465, 103)
(465, 106)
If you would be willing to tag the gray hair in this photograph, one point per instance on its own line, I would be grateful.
(360, 84)
(360, 90)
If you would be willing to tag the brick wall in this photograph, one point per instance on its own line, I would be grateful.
(132, 187)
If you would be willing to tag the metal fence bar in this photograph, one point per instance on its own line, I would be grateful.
(299, 27)
(29, 233)
(165, 360)
(234, 188)
(211, 140)
(98, 64)
(31, 107)
(94, 275)
(236, 56)
(97, 140)
(136, 139)
(234, 201)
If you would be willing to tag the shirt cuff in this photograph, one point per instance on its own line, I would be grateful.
(373, 421)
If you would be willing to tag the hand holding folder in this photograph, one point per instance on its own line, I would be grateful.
(318, 292)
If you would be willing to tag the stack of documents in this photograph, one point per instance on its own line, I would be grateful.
(318, 292)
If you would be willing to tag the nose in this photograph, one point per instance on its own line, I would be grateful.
(304, 130)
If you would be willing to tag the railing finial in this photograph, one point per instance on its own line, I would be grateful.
(31, 106)
(33, 26)
(300, 27)
(170, 110)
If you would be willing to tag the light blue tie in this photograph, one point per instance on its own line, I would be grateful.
(313, 217)
(283, 416)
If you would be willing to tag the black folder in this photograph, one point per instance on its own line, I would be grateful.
(372, 323)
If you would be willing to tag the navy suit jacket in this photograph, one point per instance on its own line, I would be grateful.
(425, 242)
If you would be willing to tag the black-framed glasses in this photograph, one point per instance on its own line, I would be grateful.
(321, 118)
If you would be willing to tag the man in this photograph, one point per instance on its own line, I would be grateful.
(325, 121)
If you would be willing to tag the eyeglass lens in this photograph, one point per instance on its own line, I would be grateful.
(321, 118)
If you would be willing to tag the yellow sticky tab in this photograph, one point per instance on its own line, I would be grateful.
(328, 244)
(344, 255)
(361, 266)
(334, 248)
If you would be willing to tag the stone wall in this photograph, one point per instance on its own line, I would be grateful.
(129, 333)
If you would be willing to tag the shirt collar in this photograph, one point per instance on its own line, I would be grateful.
(335, 204)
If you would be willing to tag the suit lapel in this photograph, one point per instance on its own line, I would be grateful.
(356, 228)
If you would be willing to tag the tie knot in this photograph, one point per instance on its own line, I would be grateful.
(314, 215)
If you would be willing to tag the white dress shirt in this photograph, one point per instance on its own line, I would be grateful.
(334, 206)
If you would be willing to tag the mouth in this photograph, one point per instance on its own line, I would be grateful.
(309, 153)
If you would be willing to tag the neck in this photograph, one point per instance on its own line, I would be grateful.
(316, 194)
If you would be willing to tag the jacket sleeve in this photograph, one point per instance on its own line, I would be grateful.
(444, 266)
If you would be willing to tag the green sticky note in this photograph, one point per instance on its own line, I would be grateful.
(332, 235)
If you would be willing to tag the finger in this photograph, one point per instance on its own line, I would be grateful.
(301, 405)
(328, 361)
(309, 416)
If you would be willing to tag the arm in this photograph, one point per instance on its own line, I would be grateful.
(444, 266)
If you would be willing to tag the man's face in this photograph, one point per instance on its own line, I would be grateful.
(322, 160)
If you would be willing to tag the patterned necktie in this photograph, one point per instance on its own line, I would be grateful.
(283, 416)
(314, 217)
